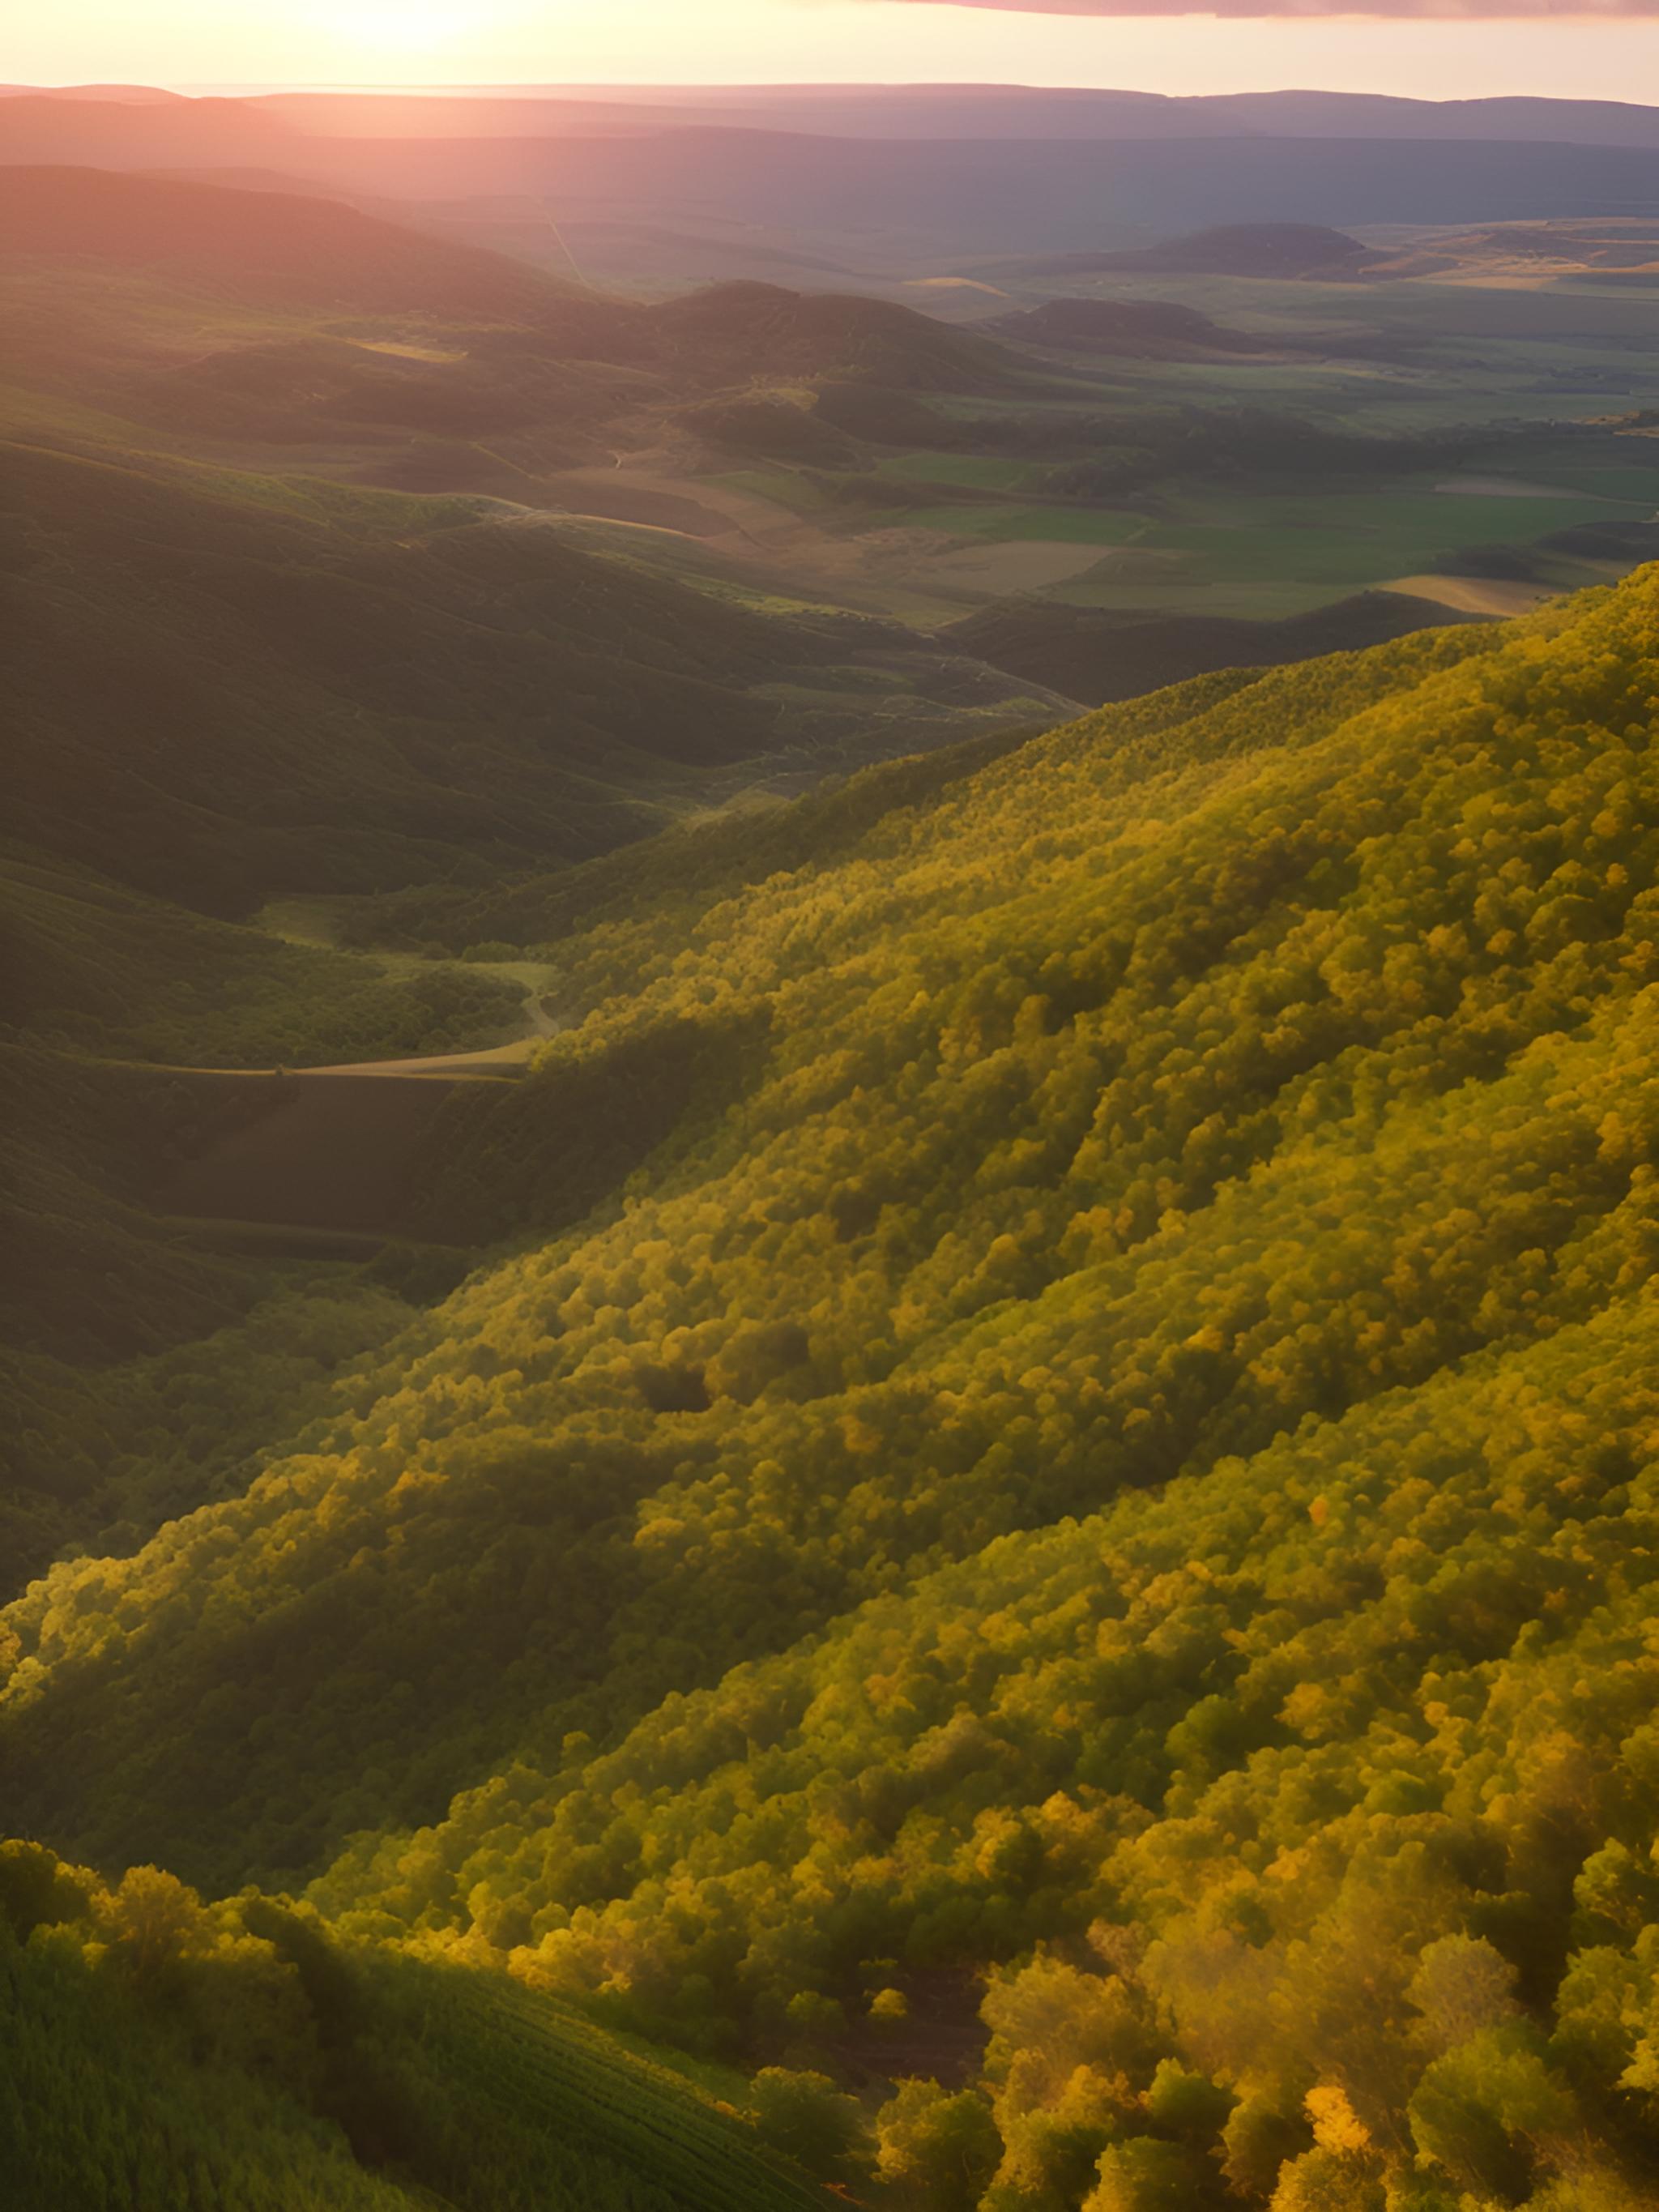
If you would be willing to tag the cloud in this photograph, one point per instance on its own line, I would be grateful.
(1407, 10)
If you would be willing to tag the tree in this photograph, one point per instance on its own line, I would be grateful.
(37, 1890)
(154, 1919)
(1491, 2110)
(1143, 2175)
(938, 2148)
(1329, 2181)
(1462, 1985)
(806, 2118)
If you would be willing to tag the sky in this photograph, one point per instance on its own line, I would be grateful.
(1429, 48)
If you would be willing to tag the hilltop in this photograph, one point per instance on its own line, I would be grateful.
(767, 329)
(1243, 249)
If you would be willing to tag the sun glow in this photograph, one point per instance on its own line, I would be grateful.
(194, 44)
(399, 26)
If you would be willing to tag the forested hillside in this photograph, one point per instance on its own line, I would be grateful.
(1063, 1419)
(771, 1429)
(199, 2055)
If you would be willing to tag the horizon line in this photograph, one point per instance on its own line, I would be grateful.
(221, 89)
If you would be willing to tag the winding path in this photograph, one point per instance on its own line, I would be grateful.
(497, 1060)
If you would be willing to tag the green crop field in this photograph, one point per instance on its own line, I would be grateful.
(978, 472)
(245, 2047)
(511, 2053)
(791, 488)
(1065, 526)
(1278, 555)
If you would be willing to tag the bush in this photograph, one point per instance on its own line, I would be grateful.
(806, 2118)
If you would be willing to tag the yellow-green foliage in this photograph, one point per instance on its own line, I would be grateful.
(161, 2051)
(1171, 1239)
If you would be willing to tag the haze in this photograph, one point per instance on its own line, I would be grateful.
(195, 43)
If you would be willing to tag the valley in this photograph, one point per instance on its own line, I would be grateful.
(830, 1079)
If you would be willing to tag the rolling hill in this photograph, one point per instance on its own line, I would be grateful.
(237, 674)
(1096, 1455)
(264, 251)
(765, 329)
(1102, 656)
(274, 680)
(272, 246)
(1139, 329)
(971, 1447)
(994, 1181)
(329, 693)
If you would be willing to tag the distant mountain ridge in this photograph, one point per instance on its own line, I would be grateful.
(943, 111)
(135, 95)
(1038, 189)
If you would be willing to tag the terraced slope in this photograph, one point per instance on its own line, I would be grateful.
(514, 2055)
(163, 2050)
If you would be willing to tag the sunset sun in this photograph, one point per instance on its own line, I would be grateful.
(399, 26)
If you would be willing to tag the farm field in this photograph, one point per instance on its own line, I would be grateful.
(1224, 550)
(511, 2049)
(1405, 360)
(1283, 555)
(1469, 339)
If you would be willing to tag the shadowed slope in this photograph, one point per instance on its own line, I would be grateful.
(223, 692)
(264, 244)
